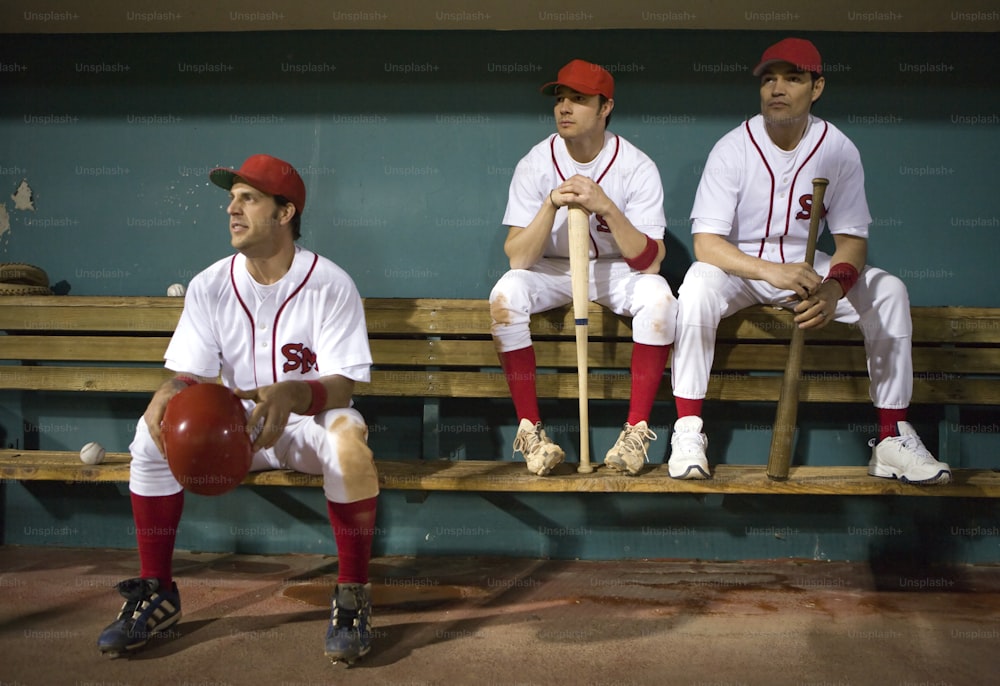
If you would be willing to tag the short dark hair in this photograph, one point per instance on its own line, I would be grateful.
(603, 99)
(281, 201)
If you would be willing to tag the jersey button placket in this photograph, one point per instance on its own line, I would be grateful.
(265, 316)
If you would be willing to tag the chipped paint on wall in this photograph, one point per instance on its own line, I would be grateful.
(23, 197)
(4, 219)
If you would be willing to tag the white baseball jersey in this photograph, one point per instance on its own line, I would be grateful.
(759, 196)
(309, 324)
(627, 176)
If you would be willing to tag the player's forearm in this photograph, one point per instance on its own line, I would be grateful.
(339, 390)
(631, 241)
(524, 249)
(336, 394)
(525, 246)
(717, 251)
(850, 249)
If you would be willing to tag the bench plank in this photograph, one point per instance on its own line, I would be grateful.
(482, 353)
(90, 313)
(725, 386)
(84, 348)
(507, 476)
(102, 379)
(418, 316)
(728, 386)
(513, 476)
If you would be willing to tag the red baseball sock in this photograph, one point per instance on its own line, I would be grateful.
(353, 529)
(519, 368)
(156, 519)
(688, 407)
(648, 365)
(887, 422)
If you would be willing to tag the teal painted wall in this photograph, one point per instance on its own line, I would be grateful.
(407, 141)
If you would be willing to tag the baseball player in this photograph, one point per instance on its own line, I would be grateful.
(285, 328)
(619, 186)
(750, 223)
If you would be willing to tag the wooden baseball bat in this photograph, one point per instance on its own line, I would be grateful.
(783, 432)
(579, 267)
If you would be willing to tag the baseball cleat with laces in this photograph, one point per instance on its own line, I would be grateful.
(349, 636)
(540, 453)
(146, 611)
(630, 451)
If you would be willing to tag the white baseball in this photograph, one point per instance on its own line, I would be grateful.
(92, 453)
(175, 290)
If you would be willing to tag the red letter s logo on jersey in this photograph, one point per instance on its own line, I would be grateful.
(298, 356)
(806, 203)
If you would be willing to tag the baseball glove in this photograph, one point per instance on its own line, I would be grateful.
(23, 279)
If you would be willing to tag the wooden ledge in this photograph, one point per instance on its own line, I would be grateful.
(501, 476)
(473, 475)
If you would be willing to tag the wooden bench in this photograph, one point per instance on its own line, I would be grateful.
(431, 349)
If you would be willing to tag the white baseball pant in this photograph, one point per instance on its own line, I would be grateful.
(332, 444)
(522, 292)
(879, 303)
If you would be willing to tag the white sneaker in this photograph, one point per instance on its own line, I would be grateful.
(539, 451)
(904, 457)
(687, 450)
(629, 453)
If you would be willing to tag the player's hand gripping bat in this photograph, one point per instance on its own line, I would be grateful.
(579, 267)
(783, 433)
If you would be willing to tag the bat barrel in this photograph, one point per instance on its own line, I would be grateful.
(585, 467)
(783, 433)
(579, 267)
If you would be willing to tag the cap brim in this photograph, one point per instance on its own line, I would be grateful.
(222, 177)
(764, 65)
(550, 88)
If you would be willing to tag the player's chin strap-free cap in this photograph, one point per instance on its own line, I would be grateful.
(267, 174)
(583, 77)
(796, 51)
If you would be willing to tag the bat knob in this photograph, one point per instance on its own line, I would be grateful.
(585, 469)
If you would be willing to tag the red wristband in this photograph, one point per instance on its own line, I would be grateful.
(187, 380)
(843, 273)
(318, 397)
(646, 257)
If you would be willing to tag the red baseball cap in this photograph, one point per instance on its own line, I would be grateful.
(796, 51)
(267, 174)
(583, 77)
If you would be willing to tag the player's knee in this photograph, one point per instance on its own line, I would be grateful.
(699, 294)
(884, 306)
(355, 460)
(656, 316)
(350, 434)
(701, 280)
(143, 447)
(509, 307)
(894, 290)
(510, 292)
(149, 472)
